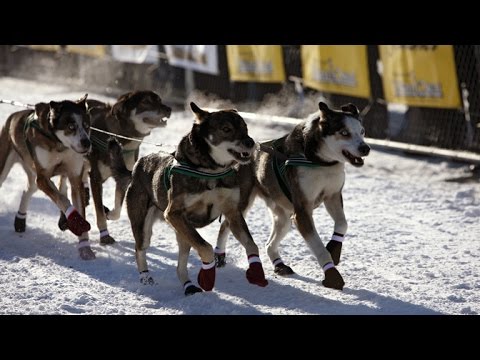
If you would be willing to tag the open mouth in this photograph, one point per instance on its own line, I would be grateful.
(155, 121)
(243, 156)
(354, 160)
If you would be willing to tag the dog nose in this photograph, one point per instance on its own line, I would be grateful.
(364, 149)
(248, 142)
(168, 111)
(85, 142)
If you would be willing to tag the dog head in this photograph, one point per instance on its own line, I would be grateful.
(144, 108)
(342, 134)
(70, 122)
(226, 134)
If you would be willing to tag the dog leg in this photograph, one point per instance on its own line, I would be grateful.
(221, 244)
(97, 194)
(141, 221)
(21, 217)
(62, 187)
(176, 218)
(11, 158)
(182, 272)
(78, 199)
(304, 222)
(280, 225)
(255, 274)
(85, 179)
(119, 196)
(334, 206)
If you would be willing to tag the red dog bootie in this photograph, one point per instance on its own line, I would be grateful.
(206, 276)
(255, 274)
(76, 223)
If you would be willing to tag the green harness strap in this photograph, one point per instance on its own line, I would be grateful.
(280, 166)
(184, 169)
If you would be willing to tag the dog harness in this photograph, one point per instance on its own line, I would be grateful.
(32, 122)
(185, 169)
(102, 146)
(279, 165)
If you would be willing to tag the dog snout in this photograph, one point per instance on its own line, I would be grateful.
(85, 142)
(248, 142)
(364, 149)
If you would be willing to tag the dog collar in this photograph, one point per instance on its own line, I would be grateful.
(185, 169)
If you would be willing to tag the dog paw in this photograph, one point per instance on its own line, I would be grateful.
(255, 274)
(86, 253)
(146, 279)
(62, 222)
(333, 279)
(192, 289)
(220, 260)
(283, 270)
(20, 224)
(107, 240)
(335, 249)
(206, 276)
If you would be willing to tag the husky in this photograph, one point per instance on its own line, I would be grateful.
(296, 174)
(189, 189)
(50, 140)
(134, 115)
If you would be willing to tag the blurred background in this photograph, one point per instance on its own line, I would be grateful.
(424, 95)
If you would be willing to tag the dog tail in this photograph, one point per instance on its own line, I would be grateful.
(121, 174)
(5, 145)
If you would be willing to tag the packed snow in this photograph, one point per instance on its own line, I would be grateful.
(413, 245)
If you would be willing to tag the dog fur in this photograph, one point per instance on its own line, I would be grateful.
(56, 145)
(135, 115)
(328, 138)
(217, 141)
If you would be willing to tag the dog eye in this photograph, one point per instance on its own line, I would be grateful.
(362, 132)
(72, 127)
(86, 126)
(226, 129)
(344, 133)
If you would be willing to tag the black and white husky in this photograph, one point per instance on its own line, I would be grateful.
(191, 188)
(299, 172)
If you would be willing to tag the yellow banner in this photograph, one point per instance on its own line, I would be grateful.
(420, 75)
(90, 50)
(45, 47)
(339, 69)
(260, 63)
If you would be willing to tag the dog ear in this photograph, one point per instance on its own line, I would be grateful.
(119, 109)
(42, 112)
(324, 108)
(350, 108)
(199, 113)
(83, 102)
(55, 109)
(82, 99)
(41, 109)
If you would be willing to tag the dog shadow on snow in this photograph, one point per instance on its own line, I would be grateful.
(233, 295)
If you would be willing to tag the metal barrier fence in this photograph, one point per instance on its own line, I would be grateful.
(443, 128)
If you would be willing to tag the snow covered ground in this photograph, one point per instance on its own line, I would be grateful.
(413, 245)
